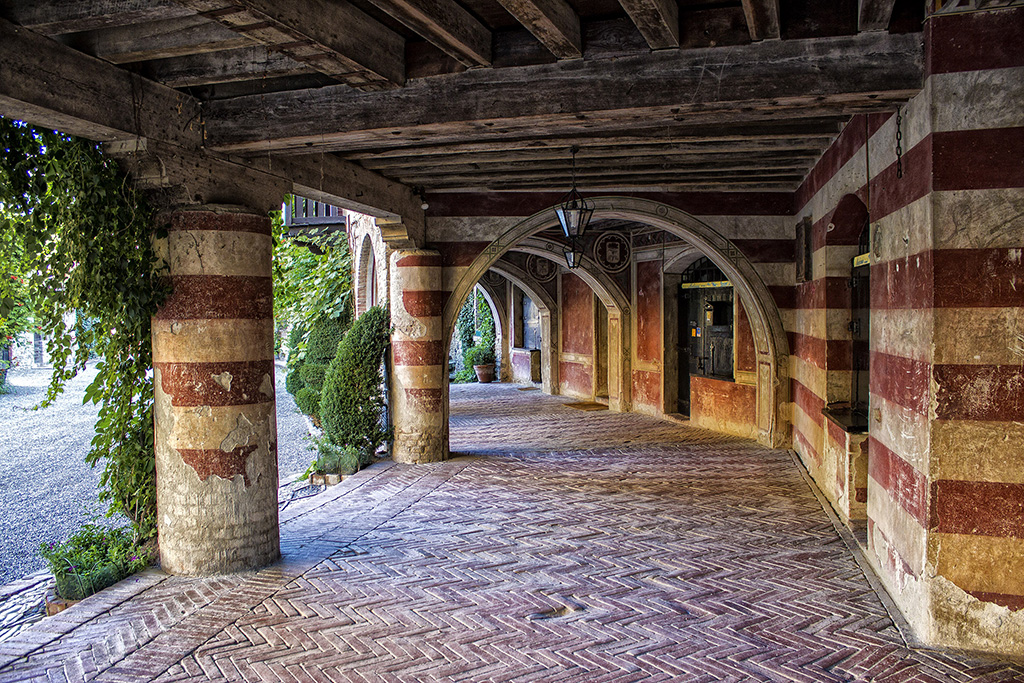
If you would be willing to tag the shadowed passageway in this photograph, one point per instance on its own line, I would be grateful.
(560, 545)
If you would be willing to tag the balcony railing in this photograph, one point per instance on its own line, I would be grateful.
(301, 212)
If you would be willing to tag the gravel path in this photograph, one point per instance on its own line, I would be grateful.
(47, 490)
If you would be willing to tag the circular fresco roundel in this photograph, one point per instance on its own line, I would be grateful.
(493, 278)
(612, 251)
(541, 269)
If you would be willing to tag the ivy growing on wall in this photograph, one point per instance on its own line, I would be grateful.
(83, 237)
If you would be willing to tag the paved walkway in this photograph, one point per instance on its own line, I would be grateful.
(560, 546)
(47, 490)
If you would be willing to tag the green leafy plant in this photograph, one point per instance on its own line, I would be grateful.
(465, 325)
(84, 239)
(94, 558)
(480, 355)
(312, 282)
(324, 337)
(352, 402)
(333, 459)
(464, 376)
(5, 365)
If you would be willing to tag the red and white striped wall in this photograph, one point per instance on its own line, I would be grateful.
(945, 487)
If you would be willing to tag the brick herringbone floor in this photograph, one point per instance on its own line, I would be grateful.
(559, 546)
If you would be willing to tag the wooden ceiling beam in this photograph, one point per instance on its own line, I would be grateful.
(874, 15)
(657, 20)
(787, 182)
(767, 81)
(762, 19)
(245, 64)
(159, 40)
(49, 84)
(596, 154)
(622, 165)
(331, 36)
(53, 17)
(553, 22)
(325, 177)
(445, 24)
(814, 130)
(731, 186)
(557, 179)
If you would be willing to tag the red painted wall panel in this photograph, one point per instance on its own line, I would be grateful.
(577, 316)
(576, 379)
(723, 406)
(648, 311)
(647, 388)
(746, 356)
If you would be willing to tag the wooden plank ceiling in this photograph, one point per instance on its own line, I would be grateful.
(488, 95)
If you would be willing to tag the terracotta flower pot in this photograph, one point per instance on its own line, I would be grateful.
(484, 373)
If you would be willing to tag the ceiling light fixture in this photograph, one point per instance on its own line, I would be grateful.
(573, 253)
(573, 210)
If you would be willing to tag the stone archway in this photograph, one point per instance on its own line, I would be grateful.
(770, 340)
(370, 255)
(548, 321)
(617, 304)
(499, 312)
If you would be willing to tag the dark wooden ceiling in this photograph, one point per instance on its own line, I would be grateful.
(482, 95)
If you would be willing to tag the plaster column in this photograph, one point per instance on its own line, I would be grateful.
(216, 428)
(419, 363)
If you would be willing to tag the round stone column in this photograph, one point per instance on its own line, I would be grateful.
(419, 366)
(216, 426)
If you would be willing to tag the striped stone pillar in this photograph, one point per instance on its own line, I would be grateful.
(216, 427)
(419, 367)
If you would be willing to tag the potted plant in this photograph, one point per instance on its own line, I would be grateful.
(482, 360)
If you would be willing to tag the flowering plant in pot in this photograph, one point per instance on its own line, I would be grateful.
(482, 359)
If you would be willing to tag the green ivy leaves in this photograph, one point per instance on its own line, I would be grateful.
(81, 237)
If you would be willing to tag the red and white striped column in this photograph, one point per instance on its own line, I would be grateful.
(419, 368)
(216, 428)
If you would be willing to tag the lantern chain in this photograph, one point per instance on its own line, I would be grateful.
(899, 142)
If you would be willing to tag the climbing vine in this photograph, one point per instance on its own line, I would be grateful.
(312, 279)
(83, 237)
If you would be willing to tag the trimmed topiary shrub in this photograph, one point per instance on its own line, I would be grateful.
(353, 403)
(293, 382)
(313, 375)
(308, 401)
(327, 333)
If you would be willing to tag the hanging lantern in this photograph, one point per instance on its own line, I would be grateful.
(573, 253)
(573, 210)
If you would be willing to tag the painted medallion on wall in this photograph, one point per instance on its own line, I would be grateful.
(492, 278)
(612, 252)
(541, 269)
